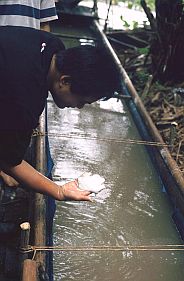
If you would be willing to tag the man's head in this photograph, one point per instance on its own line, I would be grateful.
(86, 74)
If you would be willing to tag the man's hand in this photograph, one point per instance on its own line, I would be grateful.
(27, 176)
(8, 180)
(70, 191)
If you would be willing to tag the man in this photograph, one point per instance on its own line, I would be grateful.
(33, 62)
(28, 13)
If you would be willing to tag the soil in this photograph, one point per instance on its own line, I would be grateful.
(165, 103)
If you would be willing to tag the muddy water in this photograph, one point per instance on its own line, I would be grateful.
(132, 210)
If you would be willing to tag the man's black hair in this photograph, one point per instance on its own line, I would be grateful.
(92, 71)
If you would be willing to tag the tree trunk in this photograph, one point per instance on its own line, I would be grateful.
(168, 45)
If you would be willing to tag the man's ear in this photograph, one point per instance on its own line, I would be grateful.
(65, 80)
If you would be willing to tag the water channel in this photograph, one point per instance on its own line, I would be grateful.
(132, 210)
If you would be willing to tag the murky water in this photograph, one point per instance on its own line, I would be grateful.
(132, 210)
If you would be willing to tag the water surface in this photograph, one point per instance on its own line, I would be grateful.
(132, 210)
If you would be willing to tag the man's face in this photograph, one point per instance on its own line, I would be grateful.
(72, 100)
(63, 96)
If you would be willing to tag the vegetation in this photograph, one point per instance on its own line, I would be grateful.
(132, 4)
(156, 69)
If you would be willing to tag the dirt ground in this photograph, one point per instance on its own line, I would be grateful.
(165, 103)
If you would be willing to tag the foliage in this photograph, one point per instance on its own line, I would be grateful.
(132, 4)
(135, 4)
(127, 25)
(142, 76)
(143, 51)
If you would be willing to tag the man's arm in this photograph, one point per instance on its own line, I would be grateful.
(48, 13)
(25, 174)
(45, 26)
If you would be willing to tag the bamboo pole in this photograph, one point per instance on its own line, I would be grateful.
(29, 270)
(164, 152)
(24, 240)
(40, 204)
(70, 36)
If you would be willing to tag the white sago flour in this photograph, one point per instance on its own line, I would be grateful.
(93, 183)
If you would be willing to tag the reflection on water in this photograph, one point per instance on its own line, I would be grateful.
(133, 210)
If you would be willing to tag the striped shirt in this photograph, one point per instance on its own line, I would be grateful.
(28, 13)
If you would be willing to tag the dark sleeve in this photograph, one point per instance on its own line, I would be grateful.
(55, 43)
(15, 134)
(13, 146)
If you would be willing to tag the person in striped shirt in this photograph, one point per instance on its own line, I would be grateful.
(29, 13)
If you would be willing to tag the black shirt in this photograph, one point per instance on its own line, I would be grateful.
(25, 57)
